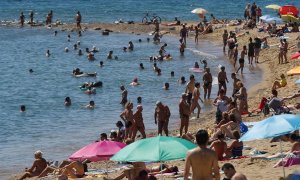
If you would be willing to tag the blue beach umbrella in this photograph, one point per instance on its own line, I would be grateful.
(273, 126)
(276, 20)
(265, 17)
(298, 81)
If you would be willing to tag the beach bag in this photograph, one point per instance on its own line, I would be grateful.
(243, 128)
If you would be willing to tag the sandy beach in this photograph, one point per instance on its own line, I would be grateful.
(258, 169)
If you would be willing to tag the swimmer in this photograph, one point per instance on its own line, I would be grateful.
(79, 34)
(140, 40)
(90, 91)
(158, 72)
(148, 39)
(94, 49)
(91, 105)
(172, 74)
(75, 46)
(91, 56)
(204, 62)
(68, 101)
(166, 86)
(80, 52)
(55, 33)
(101, 64)
(155, 68)
(78, 43)
(135, 82)
(196, 65)
(182, 80)
(139, 100)
(130, 46)
(110, 55)
(124, 49)
(30, 70)
(141, 66)
(22, 108)
(48, 53)
(66, 49)
(69, 37)
(87, 50)
(151, 58)
(116, 58)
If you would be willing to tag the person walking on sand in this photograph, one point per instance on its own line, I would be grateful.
(184, 113)
(257, 46)
(235, 54)
(161, 117)
(22, 19)
(243, 98)
(196, 34)
(222, 79)
(190, 86)
(184, 33)
(204, 162)
(250, 51)
(196, 96)
(78, 20)
(138, 122)
(207, 83)
(242, 59)
(225, 38)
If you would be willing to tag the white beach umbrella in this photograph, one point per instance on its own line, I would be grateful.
(199, 11)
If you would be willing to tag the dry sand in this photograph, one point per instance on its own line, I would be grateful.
(259, 169)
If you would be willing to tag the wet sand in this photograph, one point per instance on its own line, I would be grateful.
(259, 169)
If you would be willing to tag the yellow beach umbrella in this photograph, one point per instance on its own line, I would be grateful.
(289, 18)
(273, 6)
(294, 71)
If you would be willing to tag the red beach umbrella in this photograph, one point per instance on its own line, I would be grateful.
(296, 56)
(289, 10)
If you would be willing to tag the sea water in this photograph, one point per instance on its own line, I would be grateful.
(59, 131)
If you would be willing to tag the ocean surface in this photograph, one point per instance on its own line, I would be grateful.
(58, 131)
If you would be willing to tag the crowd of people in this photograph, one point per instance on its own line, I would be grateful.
(212, 145)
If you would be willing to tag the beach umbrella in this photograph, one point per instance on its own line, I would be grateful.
(265, 17)
(276, 20)
(298, 81)
(98, 151)
(296, 56)
(199, 11)
(273, 6)
(289, 18)
(294, 71)
(156, 149)
(273, 126)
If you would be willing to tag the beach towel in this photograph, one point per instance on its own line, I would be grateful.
(292, 161)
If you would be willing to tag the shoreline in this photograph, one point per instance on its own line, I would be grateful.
(254, 93)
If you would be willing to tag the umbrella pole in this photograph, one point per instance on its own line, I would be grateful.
(282, 159)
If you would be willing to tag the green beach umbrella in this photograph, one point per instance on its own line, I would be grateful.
(156, 149)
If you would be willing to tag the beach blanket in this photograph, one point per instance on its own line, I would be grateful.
(292, 161)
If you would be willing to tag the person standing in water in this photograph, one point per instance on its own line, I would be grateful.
(242, 59)
(31, 17)
(196, 96)
(184, 34)
(138, 122)
(22, 19)
(127, 117)
(184, 113)
(190, 89)
(78, 20)
(124, 95)
(207, 83)
(161, 117)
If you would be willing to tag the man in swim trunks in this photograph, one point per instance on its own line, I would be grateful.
(184, 34)
(184, 113)
(222, 79)
(78, 20)
(127, 117)
(190, 89)
(138, 121)
(207, 83)
(204, 162)
(235, 86)
(161, 117)
(124, 95)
